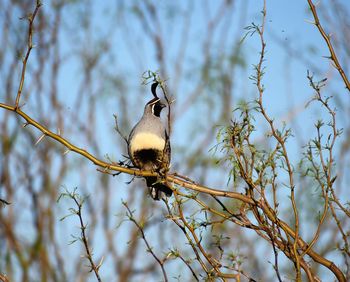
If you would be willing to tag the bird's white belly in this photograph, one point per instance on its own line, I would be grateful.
(144, 140)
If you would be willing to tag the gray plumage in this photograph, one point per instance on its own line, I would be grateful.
(149, 147)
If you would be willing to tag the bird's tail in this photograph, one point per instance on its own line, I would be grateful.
(157, 189)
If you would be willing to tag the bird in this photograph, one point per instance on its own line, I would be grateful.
(149, 147)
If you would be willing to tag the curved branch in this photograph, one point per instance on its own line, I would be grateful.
(173, 178)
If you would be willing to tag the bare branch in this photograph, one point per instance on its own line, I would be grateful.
(79, 203)
(30, 46)
(327, 38)
(117, 129)
(149, 248)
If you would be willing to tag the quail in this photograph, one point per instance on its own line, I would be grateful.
(149, 147)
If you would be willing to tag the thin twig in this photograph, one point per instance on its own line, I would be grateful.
(116, 127)
(326, 37)
(79, 203)
(31, 19)
(149, 248)
(4, 202)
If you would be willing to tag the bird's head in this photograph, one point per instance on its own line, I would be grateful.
(154, 107)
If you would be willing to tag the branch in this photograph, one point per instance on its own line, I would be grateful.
(3, 278)
(116, 127)
(4, 202)
(173, 178)
(326, 37)
(30, 18)
(83, 237)
(130, 215)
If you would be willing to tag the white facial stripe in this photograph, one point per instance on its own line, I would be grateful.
(154, 102)
(144, 140)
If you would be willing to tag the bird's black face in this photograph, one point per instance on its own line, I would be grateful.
(156, 106)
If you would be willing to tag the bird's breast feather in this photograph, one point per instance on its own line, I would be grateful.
(145, 140)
